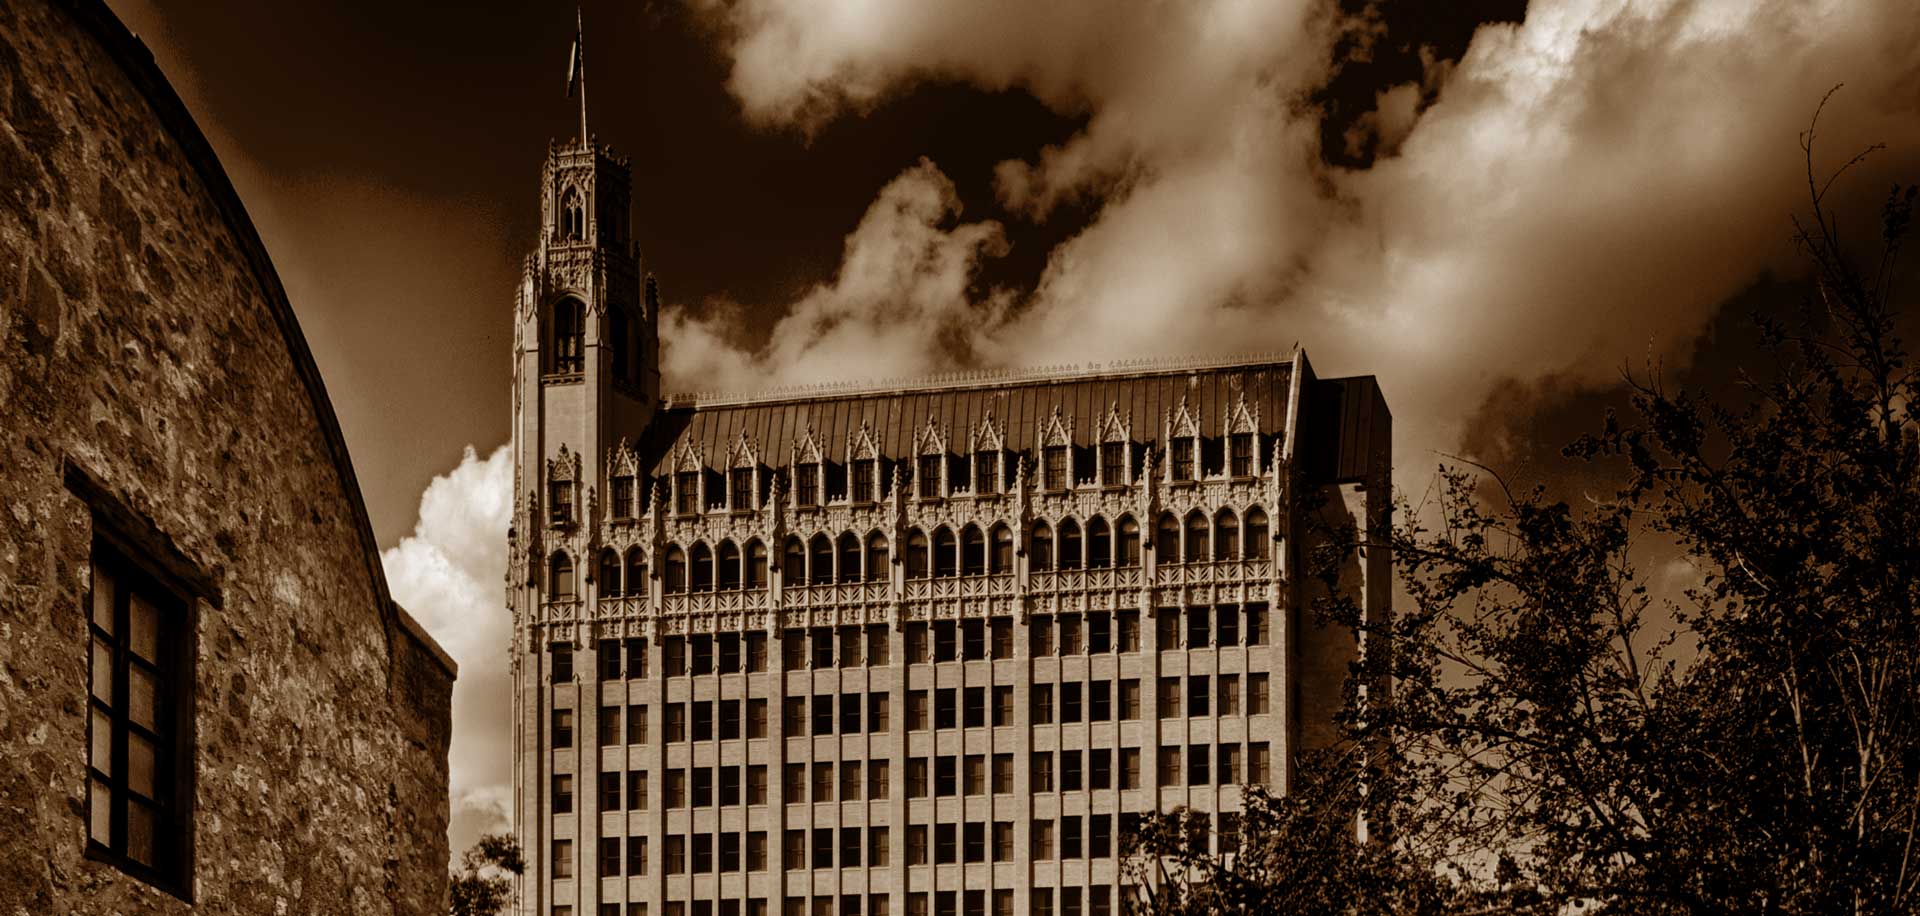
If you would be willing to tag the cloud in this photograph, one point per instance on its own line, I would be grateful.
(1583, 186)
(449, 574)
(902, 302)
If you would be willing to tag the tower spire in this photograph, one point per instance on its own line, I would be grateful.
(577, 73)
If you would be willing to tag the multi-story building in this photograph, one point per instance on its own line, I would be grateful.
(918, 649)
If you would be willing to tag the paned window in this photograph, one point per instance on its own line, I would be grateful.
(1113, 464)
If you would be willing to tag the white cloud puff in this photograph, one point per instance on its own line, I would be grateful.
(1591, 182)
(450, 574)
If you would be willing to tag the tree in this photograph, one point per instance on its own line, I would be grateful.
(1750, 745)
(483, 884)
(1565, 733)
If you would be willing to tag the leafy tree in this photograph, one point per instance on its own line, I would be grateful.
(483, 884)
(1563, 734)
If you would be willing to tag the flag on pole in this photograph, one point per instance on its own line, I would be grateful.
(576, 62)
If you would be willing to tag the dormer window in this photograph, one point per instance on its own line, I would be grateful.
(686, 492)
(862, 480)
(623, 496)
(1181, 455)
(986, 472)
(1057, 467)
(1240, 446)
(740, 489)
(929, 476)
(560, 502)
(806, 485)
(1113, 464)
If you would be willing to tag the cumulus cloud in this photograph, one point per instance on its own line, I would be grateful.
(1584, 185)
(902, 302)
(449, 575)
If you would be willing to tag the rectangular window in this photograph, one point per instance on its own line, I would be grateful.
(1100, 768)
(1056, 467)
(1041, 700)
(623, 496)
(730, 854)
(1181, 454)
(946, 844)
(850, 647)
(1199, 628)
(676, 789)
(636, 855)
(703, 720)
(757, 649)
(1258, 772)
(1240, 445)
(1129, 768)
(608, 657)
(1003, 841)
(1041, 772)
(563, 793)
(850, 780)
(610, 857)
(850, 713)
(676, 722)
(1169, 697)
(1229, 694)
(1130, 698)
(1126, 631)
(686, 492)
(563, 858)
(1100, 632)
(946, 641)
(878, 786)
(917, 777)
(946, 711)
(823, 714)
(1070, 701)
(1169, 766)
(636, 725)
(1070, 634)
(1198, 759)
(916, 844)
(1100, 837)
(946, 776)
(757, 784)
(806, 485)
(793, 855)
(916, 710)
(878, 709)
(1042, 841)
(729, 719)
(757, 851)
(637, 790)
(561, 655)
(973, 843)
(850, 847)
(610, 796)
(1100, 701)
(863, 481)
(823, 847)
(676, 855)
(1070, 771)
(1257, 693)
(701, 651)
(1229, 623)
(1002, 637)
(973, 774)
(878, 855)
(1113, 464)
(916, 639)
(1197, 695)
(674, 655)
(1256, 625)
(1070, 837)
(973, 640)
(986, 472)
(929, 476)
(1228, 772)
(740, 489)
(1002, 773)
(140, 707)
(1166, 629)
(823, 782)
(879, 651)
(562, 728)
(729, 785)
(1003, 704)
(637, 655)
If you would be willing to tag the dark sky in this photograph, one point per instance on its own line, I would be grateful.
(1493, 206)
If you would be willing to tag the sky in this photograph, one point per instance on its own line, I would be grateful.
(1493, 206)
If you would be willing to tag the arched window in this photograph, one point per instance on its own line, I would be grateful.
(1196, 538)
(820, 558)
(1002, 559)
(636, 572)
(729, 573)
(1040, 552)
(973, 551)
(945, 552)
(1226, 536)
(568, 322)
(793, 563)
(1069, 544)
(876, 557)
(916, 555)
(573, 216)
(849, 557)
(609, 574)
(1129, 553)
(1256, 534)
(756, 564)
(1166, 540)
(560, 577)
(675, 570)
(1099, 543)
(701, 568)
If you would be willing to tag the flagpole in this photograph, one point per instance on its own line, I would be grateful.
(580, 33)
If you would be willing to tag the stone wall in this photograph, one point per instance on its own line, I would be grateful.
(149, 348)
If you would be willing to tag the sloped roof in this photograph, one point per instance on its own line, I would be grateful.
(1018, 405)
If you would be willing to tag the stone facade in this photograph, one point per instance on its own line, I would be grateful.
(159, 404)
(914, 649)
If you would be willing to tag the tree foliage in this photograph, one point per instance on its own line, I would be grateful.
(483, 884)
(1568, 732)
